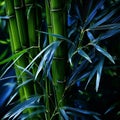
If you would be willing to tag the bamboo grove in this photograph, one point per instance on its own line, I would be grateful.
(25, 22)
(59, 49)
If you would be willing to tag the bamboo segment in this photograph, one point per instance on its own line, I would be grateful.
(21, 22)
(58, 15)
(48, 19)
(31, 22)
(25, 93)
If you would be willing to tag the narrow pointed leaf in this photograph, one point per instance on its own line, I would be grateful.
(106, 27)
(64, 115)
(91, 76)
(16, 111)
(90, 36)
(93, 13)
(104, 52)
(83, 54)
(104, 19)
(99, 72)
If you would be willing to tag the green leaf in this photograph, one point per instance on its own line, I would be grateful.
(104, 52)
(13, 57)
(83, 54)
(3, 54)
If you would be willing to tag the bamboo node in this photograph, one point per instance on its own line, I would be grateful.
(58, 58)
(61, 82)
(18, 8)
(11, 16)
(50, 26)
(56, 10)
(29, 4)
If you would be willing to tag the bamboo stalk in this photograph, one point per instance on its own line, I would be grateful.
(58, 15)
(31, 22)
(21, 23)
(17, 46)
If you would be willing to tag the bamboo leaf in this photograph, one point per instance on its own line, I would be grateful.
(83, 54)
(106, 27)
(3, 54)
(16, 111)
(39, 54)
(57, 36)
(104, 19)
(46, 56)
(64, 115)
(80, 78)
(99, 72)
(42, 63)
(90, 36)
(105, 53)
(33, 114)
(13, 56)
(80, 111)
(108, 34)
(93, 13)
(92, 73)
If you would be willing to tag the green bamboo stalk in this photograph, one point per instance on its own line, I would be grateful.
(25, 92)
(32, 35)
(48, 19)
(21, 91)
(21, 24)
(58, 14)
(48, 90)
(31, 22)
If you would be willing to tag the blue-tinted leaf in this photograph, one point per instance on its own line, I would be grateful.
(83, 54)
(109, 34)
(56, 43)
(104, 19)
(78, 12)
(33, 114)
(64, 115)
(80, 78)
(92, 73)
(104, 52)
(48, 54)
(93, 13)
(80, 111)
(71, 32)
(42, 63)
(77, 70)
(90, 36)
(106, 27)
(71, 20)
(57, 36)
(116, 20)
(99, 72)
(16, 111)
(70, 54)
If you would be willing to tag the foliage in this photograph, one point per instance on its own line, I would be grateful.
(63, 70)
